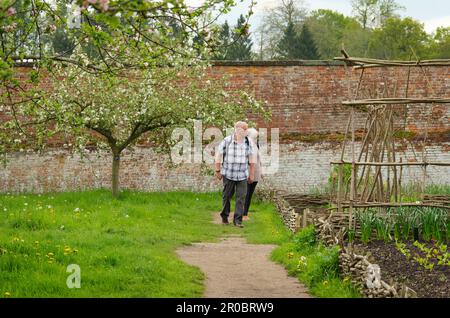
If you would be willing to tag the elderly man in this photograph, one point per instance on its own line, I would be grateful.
(235, 165)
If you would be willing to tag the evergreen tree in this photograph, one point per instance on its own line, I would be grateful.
(289, 46)
(308, 48)
(241, 45)
(294, 46)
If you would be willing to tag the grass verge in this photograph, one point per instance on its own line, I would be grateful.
(125, 247)
(314, 265)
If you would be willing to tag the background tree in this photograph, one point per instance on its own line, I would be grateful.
(144, 30)
(387, 9)
(373, 13)
(356, 39)
(439, 46)
(297, 46)
(289, 46)
(307, 46)
(61, 44)
(397, 39)
(116, 111)
(94, 97)
(260, 35)
(274, 23)
(234, 44)
(331, 30)
(241, 44)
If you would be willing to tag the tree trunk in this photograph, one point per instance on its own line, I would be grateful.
(115, 174)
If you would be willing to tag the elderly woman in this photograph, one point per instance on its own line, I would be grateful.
(253, 138)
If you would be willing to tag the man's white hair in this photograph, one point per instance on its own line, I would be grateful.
(239, 124)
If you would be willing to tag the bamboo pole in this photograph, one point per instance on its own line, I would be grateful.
(361, 63)
(444, 164)
(383, 127)
(339, 189)
(400, 181)
(399, 101)
(379, 185)
(365, 66)
(340, 169)
(388, 179)
(305, 217)
(376, 133)
(354, 168)
(364, 167)
(391, 149)
(424, 153)
(345, 138)
(389, 204)
(408, 80)
(424, 182)
(365, 146)
(394, 168)
(406, 94)
(352, 179)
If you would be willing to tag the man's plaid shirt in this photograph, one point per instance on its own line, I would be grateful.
(235, 165)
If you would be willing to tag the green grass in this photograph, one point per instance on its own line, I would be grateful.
(411, 192)
(315, 265)
(125, 247)
(438, 189)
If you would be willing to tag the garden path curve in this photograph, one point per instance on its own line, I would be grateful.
(236, 269)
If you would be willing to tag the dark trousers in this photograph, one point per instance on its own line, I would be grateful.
(229, 188)
(250, 189)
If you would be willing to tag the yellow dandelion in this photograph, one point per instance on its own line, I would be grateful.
(7, 294)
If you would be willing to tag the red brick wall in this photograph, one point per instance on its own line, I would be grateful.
(304, 99)
(307, 98)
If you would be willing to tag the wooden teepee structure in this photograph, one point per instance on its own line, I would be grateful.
(367, 186)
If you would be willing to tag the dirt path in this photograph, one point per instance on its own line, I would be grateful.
(235, 269)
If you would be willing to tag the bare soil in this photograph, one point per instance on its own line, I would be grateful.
(396, 267)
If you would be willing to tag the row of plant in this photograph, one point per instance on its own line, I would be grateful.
(402, 223)
(426, 256)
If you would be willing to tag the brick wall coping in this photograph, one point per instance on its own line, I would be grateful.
(245, 63)
(278, 63)
(284, 63)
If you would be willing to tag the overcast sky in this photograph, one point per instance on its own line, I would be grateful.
(433, 13)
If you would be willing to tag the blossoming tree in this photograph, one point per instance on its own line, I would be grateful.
(117, 111)
(137, 71)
